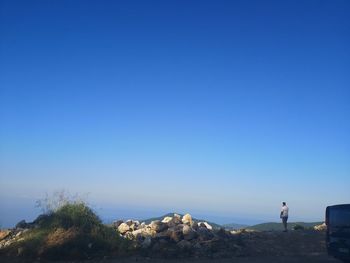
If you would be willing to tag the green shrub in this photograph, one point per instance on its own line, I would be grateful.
(75, 215)
(73, 231)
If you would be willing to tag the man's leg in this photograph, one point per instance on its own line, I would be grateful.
(285, 223)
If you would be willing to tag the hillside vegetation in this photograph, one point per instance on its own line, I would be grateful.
(72, 231)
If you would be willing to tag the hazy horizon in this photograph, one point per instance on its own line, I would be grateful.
(26, 209)
(222, 109)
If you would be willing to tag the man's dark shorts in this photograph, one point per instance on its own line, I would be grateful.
(284, 219)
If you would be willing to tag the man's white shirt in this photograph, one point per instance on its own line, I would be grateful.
(284, 211)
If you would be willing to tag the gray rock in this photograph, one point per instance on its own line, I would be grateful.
(188, 233)
(175, 220)
(174, 234)
(204, 234)
(179, 227)
(162, 235)
(194, 226)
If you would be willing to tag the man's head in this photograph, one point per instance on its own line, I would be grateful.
(283, 203)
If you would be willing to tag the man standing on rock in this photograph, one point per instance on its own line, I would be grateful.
(284, 215)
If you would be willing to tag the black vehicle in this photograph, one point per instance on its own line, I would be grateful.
(338, 231)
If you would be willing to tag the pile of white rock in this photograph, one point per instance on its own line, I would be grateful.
(175, 233)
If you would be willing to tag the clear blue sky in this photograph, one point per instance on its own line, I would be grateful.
(218, 108)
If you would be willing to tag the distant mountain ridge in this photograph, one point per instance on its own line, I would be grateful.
(268, 226)
(234, 226)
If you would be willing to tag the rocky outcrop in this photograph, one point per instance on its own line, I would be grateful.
(11, 236)
(178, 235)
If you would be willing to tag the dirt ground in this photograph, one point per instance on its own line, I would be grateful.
(266, 247)
(290, 259)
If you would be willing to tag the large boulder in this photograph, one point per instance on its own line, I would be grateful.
(123, 228)
(144, 232)
(187, 219)
(158, 226)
